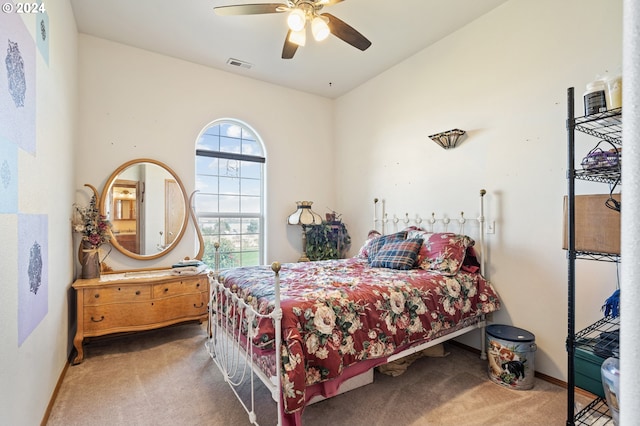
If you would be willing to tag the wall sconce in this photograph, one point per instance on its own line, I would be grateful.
(448, 139)
(304, 216)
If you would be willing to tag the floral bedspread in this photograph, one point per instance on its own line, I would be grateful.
(339, 312)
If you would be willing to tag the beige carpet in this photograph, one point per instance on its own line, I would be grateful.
(165, 377)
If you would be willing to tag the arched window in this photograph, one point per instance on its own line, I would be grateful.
(230, 200)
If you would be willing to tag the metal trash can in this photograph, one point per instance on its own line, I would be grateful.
(511, 354)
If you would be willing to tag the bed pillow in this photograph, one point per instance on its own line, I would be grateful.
(471, 262)
(363, 253)
(424, 234)
(446, 252)
(376, 244)
(400, 254)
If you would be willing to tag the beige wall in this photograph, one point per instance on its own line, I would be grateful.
(136, 104)
(28, 374)
(503, 79)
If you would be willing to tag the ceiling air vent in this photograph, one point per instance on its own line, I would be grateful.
(239, 63)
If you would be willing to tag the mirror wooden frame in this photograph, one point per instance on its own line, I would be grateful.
(105, 196)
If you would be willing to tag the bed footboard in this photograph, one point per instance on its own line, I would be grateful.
(233, 353)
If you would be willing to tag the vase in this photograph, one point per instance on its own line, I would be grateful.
(90, 261)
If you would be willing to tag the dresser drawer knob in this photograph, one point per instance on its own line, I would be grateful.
(198, 285)
(196, 306)
(166, 290)
(138, 293)
(97, 295)
(97, 320)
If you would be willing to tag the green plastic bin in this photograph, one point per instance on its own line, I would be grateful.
(588, 374)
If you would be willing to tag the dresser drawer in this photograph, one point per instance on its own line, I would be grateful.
(179, 287)
(185, 306)
(113, 318)
(124, 293)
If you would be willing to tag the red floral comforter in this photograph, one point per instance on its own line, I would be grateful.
(339, 312)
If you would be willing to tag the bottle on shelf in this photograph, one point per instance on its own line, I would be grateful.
(611, 384)
(614, 92)
(595, 100)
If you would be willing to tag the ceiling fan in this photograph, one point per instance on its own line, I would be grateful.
(301, 12)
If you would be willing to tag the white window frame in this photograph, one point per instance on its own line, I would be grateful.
(222, 155)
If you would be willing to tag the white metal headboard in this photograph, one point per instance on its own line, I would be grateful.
(432, 224)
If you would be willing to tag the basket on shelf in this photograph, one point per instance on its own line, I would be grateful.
(598, 158)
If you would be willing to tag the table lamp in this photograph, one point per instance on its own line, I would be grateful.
(304, 216)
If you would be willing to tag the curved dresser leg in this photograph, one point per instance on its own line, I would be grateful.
(77, 343)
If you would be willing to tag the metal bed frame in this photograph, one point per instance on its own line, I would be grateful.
(233, 354)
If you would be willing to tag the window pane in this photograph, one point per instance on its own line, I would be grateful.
(229, 204)
(229, 144)
(210, 226)
(251, 148)
(230, 226)
(250, 258)
(250, 204)
(229, 257)
(250, 170)
(231, 241)
(230, 260)
(206, 203)
(213, 130)
(230, 168)
(250, 187)
(207, 184)
(229, 186)
(210, 240)
(230, 129)
(250, 242)
(251, 226)
(209, 141)
(248, 135)
(206, 165)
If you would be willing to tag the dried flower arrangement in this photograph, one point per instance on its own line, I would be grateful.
(93, 226)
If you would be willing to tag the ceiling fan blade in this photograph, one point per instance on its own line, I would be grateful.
(346, 33)
(250, 9)
(289, 48)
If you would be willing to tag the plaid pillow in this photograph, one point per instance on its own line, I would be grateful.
(398, 254)
(376, 244)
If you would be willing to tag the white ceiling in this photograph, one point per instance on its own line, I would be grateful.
(190, 30)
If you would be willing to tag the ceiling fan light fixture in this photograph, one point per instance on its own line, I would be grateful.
(298, 13)
(298, 37)
(296, 20)
(319, 28)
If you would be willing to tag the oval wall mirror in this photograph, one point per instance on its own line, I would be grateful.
(146, 204)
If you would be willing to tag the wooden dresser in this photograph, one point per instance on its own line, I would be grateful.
(137, 301)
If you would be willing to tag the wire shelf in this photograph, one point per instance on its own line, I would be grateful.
(604, 125)
(601, 337)
(608, 175)
(596, 413)
(602, 257)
